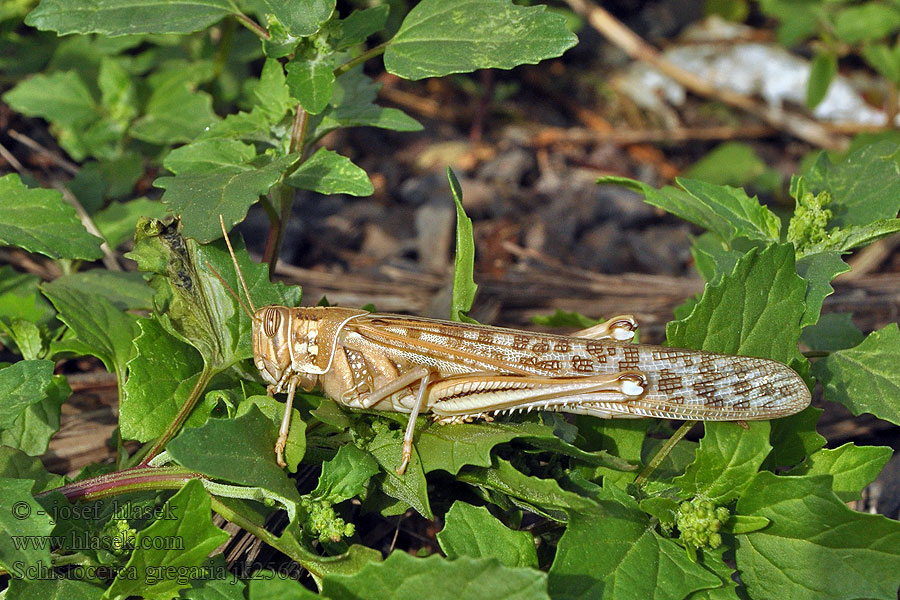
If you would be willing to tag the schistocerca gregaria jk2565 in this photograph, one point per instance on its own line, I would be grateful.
(460, 371)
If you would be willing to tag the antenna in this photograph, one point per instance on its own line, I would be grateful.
(237, 268)
(230, 291)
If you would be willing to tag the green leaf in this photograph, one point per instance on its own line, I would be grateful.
(353, 105)
(438, 38)
(402, 576)
(52, 589)
(822, 72)
(328, 172)
(310, 83)
(175, 112)
(15, 464)
(199, 198)
(38, 220)
(853, 236)
(192, 303)
(869, 21)
(813, 541)
(410, 488)
(713, 258)
(271, 94)
(239, 450)
(22, 384)
(162, 373)
(464, 286)
(361, 24)
(299, 18)
(472, 531)
(833, 331)
(865, 378)
(864, 187)
(61, 98)
(106, 330)
(765, 293)
(124, 290)
(191, 526)
(32, 430)
(884, 59)
(794, 438)
(727, 212)
(124, 17)
(541, 496)
(852, 467)
(207, 155)
(727, 459)
(614, 552)
(799, 18)
(818, 270)
(346, 475)
(116, 221)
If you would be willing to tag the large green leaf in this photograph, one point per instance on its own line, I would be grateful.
(812, 542)
(438, 38)
(299, 18)
(865, 378)
(328, 172)
(38, 220)
(31, 431)
(60, 97)
(818, 270)
(123, 17)
(851, 467)
(402, 576)
(614, 551)
(472, 531)
(21, 516)
(22, 384)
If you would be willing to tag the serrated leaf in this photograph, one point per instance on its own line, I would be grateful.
(411, 488)
(116, 221)
(175, 112)
(728, 212)
(271, 93)
(865, 378)
(328, 172)
(310, 83)
(22, 516)
(208, 154)
(239, 451)
(726, 461)
(360, 24)
(38, 220)
(199, 198)
(22, 384)
(162, 373)
(103, 328)
(794, 438)
(295, 447)
(833, 331)
(818, 270)
(438, 38)
(813, 541)
(61, 98)
(192, 526)
(765, 291)
(864, 187)
(852, 467)
(346, 475)
(472, 531)
(821, 72)
(299, 18)
(402, 576)
(464, 286)
(712, 259)
(32, 430)
(125, 17)
(614, 552)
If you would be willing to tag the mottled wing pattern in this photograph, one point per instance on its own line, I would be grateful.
(682, 384)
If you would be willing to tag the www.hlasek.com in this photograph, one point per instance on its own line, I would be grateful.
(80, 541)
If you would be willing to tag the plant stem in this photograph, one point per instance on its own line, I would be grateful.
(128, 480)
(663, 452)
(358, 60)
(202, 381)
(252, 25)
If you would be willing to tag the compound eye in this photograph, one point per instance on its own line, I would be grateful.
(271, 322)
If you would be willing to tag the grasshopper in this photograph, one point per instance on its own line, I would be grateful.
(460, 372)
